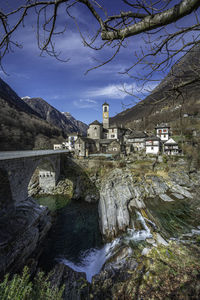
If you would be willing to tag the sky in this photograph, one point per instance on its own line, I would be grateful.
(65, 85)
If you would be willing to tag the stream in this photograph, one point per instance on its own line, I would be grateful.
(75, 238)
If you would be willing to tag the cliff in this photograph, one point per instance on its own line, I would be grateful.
(63, 121)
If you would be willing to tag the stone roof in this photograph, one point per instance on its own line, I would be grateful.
(116, 126)
(106, 141)
(137, 134)
(152, 138)
(95, 123)
(171, 142)
(73, 134)
(86, 139)
(162, 125)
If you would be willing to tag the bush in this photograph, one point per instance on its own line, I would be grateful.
(20, 287)
(165, 159)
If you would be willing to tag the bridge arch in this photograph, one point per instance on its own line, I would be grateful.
(18, 172)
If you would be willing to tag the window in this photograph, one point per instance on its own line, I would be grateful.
(164, 135)
(112, 135)
(112, 129)
(95, 128)
(105, 109)
(151, 148)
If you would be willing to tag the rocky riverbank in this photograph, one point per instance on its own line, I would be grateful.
(151, 213)
(22, 231)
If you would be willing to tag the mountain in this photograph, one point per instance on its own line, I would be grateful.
(21, 127)
(80, 125)
(64, 121)
(170, 98)
(13, 99)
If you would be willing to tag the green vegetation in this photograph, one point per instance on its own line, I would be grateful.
(20, 287)
(20, 130)
(53, 202)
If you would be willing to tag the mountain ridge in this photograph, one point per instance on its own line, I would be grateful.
(47, 112)
(170, 93)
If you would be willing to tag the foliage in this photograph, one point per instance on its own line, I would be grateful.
(165, 159)
(20, 287)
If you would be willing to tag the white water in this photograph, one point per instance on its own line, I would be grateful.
(92, 260)
(139, 235)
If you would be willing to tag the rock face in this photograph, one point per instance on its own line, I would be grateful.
(64, 121)
(160, 274)
(80, 125)
(22, 127)
(115, 195)
(22, 229)
(76, 285)
(123, 194)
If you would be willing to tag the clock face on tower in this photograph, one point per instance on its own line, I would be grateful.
(105, 115)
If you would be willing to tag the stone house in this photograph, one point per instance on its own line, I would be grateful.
(72, 137)
(84, 146)
(135, 140)
(162, 131)
(114, 147)
(115, 132)
(171, 147)
(153, 145)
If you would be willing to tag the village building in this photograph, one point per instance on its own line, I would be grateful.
(112, 139)
(162, 131)
(171, 147)
(153, 145)
(84, 146)
(57, 146)
(72, 137)
(95, 130)
(134, 141)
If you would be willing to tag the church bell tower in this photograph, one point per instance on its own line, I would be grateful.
(105, 115)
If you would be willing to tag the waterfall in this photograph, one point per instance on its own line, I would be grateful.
(92, 260)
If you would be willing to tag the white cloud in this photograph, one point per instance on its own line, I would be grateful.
(117, 91)
(111, 91)
(85, 103)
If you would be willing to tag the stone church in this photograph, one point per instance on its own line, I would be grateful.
(101, 137)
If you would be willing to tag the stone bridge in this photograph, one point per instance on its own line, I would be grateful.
(17, 168)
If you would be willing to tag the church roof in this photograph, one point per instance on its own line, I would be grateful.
(95, 123)
(105, 103)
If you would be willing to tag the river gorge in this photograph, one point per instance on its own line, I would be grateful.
(120, 229)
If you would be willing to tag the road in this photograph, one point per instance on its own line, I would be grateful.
(20, 154)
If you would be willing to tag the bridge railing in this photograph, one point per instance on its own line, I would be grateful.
(29, 153)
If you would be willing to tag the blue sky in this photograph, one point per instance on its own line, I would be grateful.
(64, 85)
